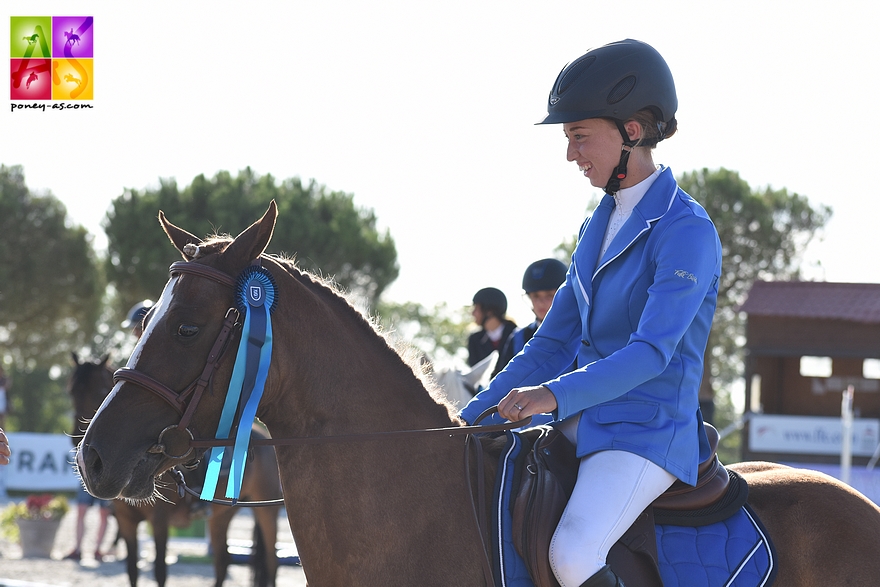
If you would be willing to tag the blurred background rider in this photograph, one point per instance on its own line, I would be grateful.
(135, 319)
(540, 282)
(490, 313)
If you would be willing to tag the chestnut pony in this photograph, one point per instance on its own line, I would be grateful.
(367, 506)
(88, 385)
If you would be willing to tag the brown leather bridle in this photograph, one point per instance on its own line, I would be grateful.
(185, 403)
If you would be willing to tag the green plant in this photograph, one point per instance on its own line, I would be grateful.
(35, 507)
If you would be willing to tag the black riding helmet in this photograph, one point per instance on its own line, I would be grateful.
(136, 313)
(614, 81)
(492, 300)
(544, 275)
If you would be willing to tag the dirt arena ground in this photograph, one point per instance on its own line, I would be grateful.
(188, 565)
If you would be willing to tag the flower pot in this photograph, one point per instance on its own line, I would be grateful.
(37, 537)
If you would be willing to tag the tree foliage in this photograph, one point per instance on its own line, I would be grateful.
(50, 286)
(323, 229)
(764, 233)
(38, 399)
(440, 333)
(50, 292)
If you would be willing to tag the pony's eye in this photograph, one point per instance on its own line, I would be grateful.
(187, 330)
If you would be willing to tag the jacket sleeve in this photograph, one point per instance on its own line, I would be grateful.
(687, 268)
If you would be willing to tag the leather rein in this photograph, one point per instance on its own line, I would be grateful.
(185, 403)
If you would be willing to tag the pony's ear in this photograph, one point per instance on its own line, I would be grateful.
(251, 243)
(75, 358)
(104, 359)
(179, 237)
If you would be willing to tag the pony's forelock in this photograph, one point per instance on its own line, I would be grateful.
(216, 243)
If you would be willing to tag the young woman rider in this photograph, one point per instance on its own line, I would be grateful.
(634, 312)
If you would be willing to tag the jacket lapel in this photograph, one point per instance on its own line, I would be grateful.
(655, 203)
(587, 250)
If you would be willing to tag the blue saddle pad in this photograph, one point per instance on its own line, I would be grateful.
(509, 568)
(735, 552)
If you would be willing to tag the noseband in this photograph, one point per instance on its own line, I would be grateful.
(185, 402)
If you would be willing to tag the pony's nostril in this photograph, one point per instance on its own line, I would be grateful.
(90, 463)
(97, 467)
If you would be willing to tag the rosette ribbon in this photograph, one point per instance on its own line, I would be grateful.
(255, 297)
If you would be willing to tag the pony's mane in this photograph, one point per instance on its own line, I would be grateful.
(407, 356)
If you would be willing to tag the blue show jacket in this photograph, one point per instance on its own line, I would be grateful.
(638, 322)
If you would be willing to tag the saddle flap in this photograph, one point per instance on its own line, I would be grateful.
(712, 482)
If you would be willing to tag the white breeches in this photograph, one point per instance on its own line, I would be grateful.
(613, 487)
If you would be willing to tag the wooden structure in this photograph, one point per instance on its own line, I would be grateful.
(790, 320)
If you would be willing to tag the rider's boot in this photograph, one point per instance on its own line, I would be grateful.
(604, 578)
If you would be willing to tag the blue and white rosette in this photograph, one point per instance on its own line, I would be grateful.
(255, 298)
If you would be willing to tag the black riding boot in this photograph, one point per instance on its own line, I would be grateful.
(604, 578)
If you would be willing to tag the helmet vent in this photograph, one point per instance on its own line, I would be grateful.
(572, 73)
(622, 89)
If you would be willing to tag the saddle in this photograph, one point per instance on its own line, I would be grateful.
(546, 483)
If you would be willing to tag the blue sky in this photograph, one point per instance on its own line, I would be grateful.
(425, 112)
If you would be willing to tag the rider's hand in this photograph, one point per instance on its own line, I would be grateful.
(526, 401)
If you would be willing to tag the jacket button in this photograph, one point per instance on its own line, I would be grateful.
(585, 342)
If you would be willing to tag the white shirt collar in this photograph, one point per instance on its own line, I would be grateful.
(628, 198)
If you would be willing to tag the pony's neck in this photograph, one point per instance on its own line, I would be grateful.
(338, 375)
(332, 374)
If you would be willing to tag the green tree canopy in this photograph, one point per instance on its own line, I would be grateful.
(50, 294)
(764, 233)
(50, 286)
(323, 229)
(440, 333)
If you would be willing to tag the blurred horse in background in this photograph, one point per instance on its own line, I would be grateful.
(89, 384)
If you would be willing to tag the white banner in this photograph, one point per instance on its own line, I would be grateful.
(814, 435)
(40, 462)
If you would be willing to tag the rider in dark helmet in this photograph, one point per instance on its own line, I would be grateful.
(489, 312)
(634, 312)
(627, 80)
(136, 314)
(544, 275)
(540, 282)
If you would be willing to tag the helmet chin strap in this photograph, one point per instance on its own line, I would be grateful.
(619, 173)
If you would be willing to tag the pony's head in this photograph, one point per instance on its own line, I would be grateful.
(88, 385)
(144, 426)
